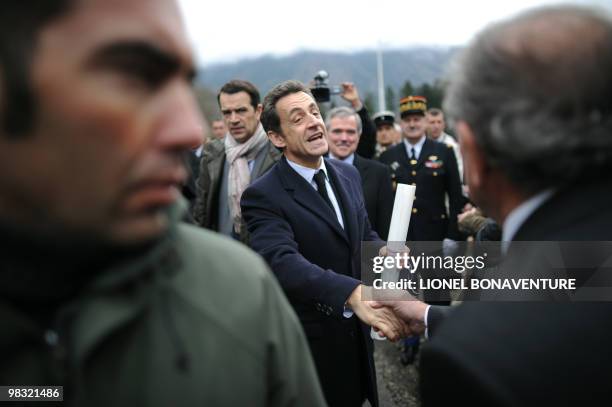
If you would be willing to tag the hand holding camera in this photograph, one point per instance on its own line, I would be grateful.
(350, 94)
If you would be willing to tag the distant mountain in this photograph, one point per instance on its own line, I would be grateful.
(419, 65)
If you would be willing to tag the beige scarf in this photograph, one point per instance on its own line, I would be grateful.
(238, 156)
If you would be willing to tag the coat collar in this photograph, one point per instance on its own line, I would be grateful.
(215, 170)
(100, 311)
(581, 205)
(362, 166)
(426, 151)
(305, 195)
(102, 314)
(359, 162)
(272, 156)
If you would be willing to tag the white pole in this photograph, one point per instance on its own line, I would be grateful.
(381, 80)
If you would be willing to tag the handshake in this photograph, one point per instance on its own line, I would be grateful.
(395, 314)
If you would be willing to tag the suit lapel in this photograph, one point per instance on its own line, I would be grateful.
(340, 183)
(305, 195)
(401, 155)
(426, 151)
(362, 167)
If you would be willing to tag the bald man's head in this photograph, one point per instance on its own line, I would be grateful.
(551, 47)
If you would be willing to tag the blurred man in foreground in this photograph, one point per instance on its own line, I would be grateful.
(102, 290)
(531, 100)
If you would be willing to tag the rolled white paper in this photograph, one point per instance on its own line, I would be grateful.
(400, 221)
(400, 217)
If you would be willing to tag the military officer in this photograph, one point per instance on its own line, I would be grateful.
(432, 167)
(386, 134)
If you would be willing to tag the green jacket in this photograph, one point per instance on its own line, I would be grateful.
(198, 321)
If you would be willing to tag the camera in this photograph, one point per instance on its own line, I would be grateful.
(321, 89)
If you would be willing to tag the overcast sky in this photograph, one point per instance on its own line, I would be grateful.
(226, 30)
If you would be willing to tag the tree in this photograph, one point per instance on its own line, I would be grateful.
(369, 102)
(434, 94)
(207, 101)
(407, 89)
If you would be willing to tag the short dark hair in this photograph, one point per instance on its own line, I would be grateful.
(269, 116)
(20, 25)
(434, 111)
(239, 85)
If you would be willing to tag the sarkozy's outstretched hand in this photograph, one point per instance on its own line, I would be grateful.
(382, 319)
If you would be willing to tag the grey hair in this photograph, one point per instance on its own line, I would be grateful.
(342, 112)
(536, 91)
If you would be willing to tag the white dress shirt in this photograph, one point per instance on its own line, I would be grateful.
(417, 147)
(349, 160)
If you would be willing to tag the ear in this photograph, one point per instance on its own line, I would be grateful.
(277, 139)
(258, 111)
(474, 161)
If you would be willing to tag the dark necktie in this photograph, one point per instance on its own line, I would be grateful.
(319, 179)
(412, 154)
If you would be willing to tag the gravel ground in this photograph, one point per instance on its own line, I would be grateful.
(397, 384)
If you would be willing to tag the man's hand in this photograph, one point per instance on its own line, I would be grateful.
(381, 319)
(466, 212)
(404, 306)
(386, 251)
(350, 94)
(403, 252)
(468, 207)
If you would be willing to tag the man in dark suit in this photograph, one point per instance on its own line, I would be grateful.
(432, 167)
(307, 218)
(344, 131)
(227, 167)
(539, 158)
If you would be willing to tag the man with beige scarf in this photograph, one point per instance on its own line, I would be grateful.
(227, 169)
